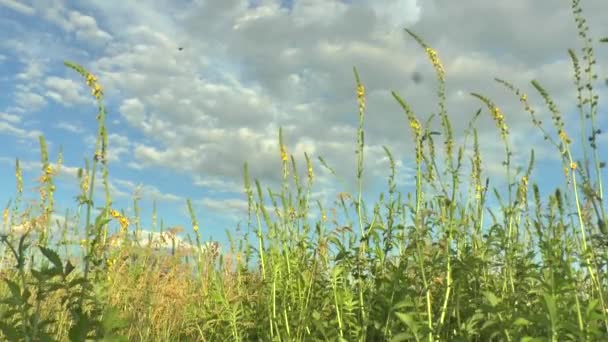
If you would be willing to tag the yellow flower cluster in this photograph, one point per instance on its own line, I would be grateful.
(523, 189)
(436, 62)
(110, 263)
(96, 89)
(122, 220)
(48, 173)
(361, 97)
(415, 125)
(564, 137)
(500, 121)
(5, 216)
(478, 191)
(310, 173)
(84, 183)
(19, 177)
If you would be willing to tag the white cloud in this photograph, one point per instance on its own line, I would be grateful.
(230, 207)
(66, 91)
(18, 6)
(70, 127)
(146, 191)
(9, 128)
(83, 26)
(243, 72)
(86, 28)
(14, 119)
(31, 101)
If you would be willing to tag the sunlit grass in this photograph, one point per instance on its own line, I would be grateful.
(410, 267)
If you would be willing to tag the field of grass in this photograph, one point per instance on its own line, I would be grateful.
(419, 266)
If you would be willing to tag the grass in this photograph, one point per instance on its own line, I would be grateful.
(420, 266)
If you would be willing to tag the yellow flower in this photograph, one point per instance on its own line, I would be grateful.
(96, 90)
(361, 96)
(115, 214)
(91, 79)
(415, 125)
(436, 62)
(564, 137)
(195, 228)
(478, 191)
(500, 121)
(573, 166)
(360, 90)
(48, 169)
(284, 156)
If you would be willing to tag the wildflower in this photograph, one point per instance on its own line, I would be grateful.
(96, 91)
(500, 121)
(19, 177)
(124, 223)
(415, 125)
(573, 166)
(84, 184)
(436, 62)
(361, 97)
(195, 228)
(478, 191)
(115, 214)
(564, 137)
(284, 156)
(91, 80)
(310, 173)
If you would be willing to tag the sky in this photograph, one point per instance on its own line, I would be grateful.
(194, 89)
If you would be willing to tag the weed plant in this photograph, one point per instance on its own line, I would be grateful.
(423, 266)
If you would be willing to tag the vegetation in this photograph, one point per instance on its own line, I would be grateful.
(418, 267)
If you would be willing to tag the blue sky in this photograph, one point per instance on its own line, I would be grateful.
(183, 122)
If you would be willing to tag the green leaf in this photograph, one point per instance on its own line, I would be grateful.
(402, 337)
(68, 268)
(52, 272)
(521, 322)
(112, 320)
(550, 303)
(410, 322)
(491, 297)
(10, 332)
(15, 289)
(52, 256)
(80, 329)
(591, 307)
(532, 339)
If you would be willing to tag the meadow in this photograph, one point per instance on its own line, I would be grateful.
(418, 266)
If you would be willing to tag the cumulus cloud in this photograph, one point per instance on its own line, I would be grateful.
(204, 86)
